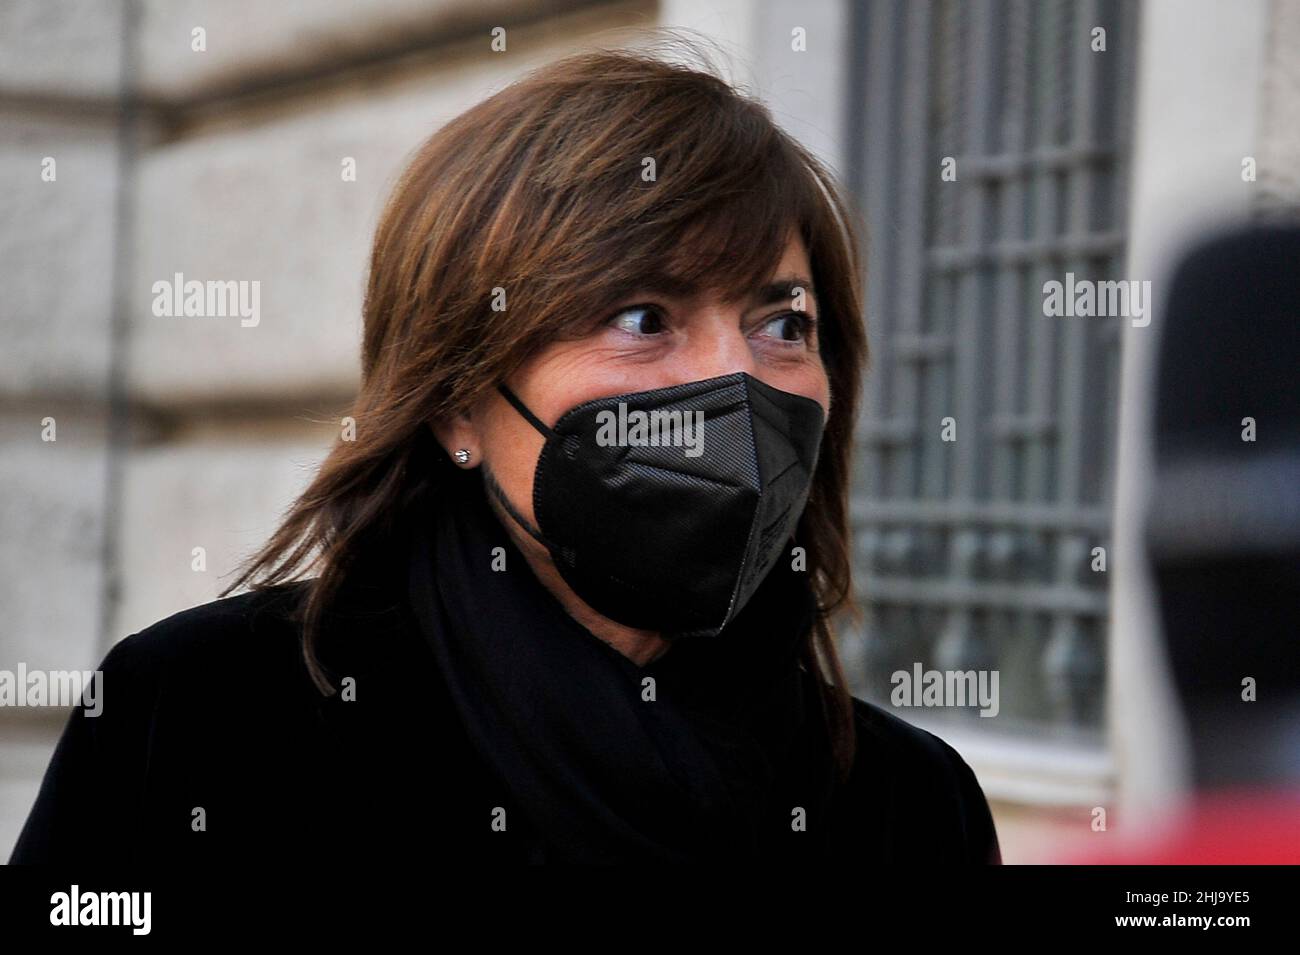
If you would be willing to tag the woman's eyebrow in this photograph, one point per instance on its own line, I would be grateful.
(670, 286)
(784, 288)
(660, 283)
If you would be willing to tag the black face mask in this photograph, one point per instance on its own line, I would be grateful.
(673, 529)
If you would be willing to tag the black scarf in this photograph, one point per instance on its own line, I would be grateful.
(714, 768)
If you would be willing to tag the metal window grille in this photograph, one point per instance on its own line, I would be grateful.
(978, 553)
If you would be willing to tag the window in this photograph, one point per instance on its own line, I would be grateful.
(979, 551)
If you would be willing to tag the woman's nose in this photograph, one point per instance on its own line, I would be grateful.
(718, 348)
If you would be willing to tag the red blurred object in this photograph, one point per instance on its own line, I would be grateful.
(1237, 826)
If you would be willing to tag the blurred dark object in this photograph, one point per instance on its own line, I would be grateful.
(1223, 538)
(1223, 529)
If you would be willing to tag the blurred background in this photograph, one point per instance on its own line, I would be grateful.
(213, 139)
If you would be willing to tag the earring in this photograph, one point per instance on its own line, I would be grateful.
(462, 456)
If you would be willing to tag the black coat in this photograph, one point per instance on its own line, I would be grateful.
(212, 707)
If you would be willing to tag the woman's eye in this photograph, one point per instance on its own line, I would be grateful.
(639, 320)
(791, 327)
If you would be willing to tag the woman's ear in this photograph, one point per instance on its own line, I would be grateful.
(459, 438)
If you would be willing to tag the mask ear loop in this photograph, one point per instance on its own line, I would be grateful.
(522, 408)
(496, 488)
(500, 495)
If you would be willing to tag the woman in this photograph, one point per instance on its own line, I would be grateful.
(579, 562)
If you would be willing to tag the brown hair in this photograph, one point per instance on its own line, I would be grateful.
(540, 190)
